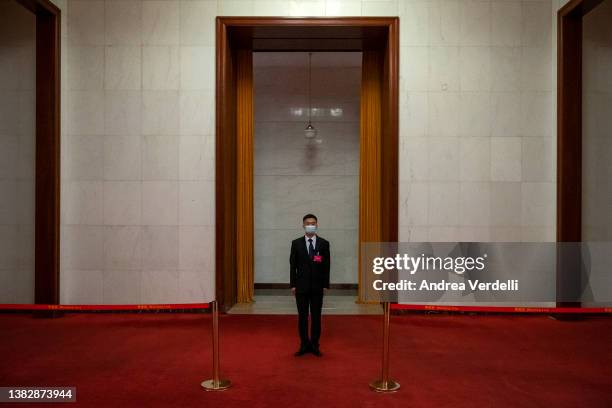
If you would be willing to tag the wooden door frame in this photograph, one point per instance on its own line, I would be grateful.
(569, 140)
(47, 189)
(569, 118)
(299, 34)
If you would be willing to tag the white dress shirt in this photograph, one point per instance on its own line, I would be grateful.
(314, 241)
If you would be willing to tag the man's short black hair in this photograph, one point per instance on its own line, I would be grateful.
(310, 216)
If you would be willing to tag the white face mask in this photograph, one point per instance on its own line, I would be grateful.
(310, 229)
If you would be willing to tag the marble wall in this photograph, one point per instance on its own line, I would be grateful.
(17, 152)
(477, 103)
(597, 124)
(138, 156)
(476, 141)
(295, 176)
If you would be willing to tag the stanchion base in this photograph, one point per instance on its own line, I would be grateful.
(384, 386)
(221, 385)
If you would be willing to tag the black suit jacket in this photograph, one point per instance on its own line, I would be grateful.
(305, 274)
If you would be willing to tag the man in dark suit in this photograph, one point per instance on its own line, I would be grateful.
(309, 278)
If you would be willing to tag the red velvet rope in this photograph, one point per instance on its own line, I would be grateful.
(449, 308)
(105, 307)
(504, 309)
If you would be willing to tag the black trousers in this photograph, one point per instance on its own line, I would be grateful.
(312, 300)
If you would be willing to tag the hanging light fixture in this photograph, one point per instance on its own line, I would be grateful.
(309, 132)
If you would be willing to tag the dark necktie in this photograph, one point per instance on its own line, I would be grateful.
(310, 248)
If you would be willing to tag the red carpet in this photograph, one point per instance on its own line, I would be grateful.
(146, 360)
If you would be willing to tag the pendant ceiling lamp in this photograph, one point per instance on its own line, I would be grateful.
(310, 131)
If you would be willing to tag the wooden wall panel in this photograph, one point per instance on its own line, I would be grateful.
(569, 142)
(47, 201)
(569, 129)
(244, 177)
(389, 194)
(225, 172)
(47, 188)
(370, 152)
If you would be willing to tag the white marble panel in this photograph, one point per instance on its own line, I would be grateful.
(196, 206)
(123, 22)
(160, 203)
(86, 68)
(275, 7)
(305, 8)
(445, 22)
(197, 248)
(122, 112)
(443, 69)
(538, 205)
(505, 68)
(160, 158)
(443, 113)
(160, 112)
(506, 206)
(236, 7)
(506, 159)
(122, 203)
(197, 24)
(443, 204)
(414, 158)
(414, 114)
(160, 67)
(538, 159)
(122, 248)
(474, 201)
(160, 247)
(123, 67)
(85, 27)
(414, 68)
(340, 7)
(475, 23)
(85, 158)
(160, 22)
(159, 286)
(444, 159)
(475, 114)
(475, 68)
(413, 203)
(197, 68)
(506, 111)
(506, 18)
(81, 287)
(82, 202)
(121, 287)
(414, 19)
(537, 24)
(82, 247)
(85, 113)
(475, 158)
(122, 158)
(196, 286)
(197, 113)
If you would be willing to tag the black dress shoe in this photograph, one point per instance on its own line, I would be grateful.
(301, 351)
(316, 352)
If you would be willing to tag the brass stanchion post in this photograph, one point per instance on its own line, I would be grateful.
(215, 384)
(385, 384)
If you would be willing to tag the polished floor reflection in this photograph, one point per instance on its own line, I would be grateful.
(280, 301)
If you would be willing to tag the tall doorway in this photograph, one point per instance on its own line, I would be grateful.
(238, 39)
(30, 152)
(299, 171)
(584, 173)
